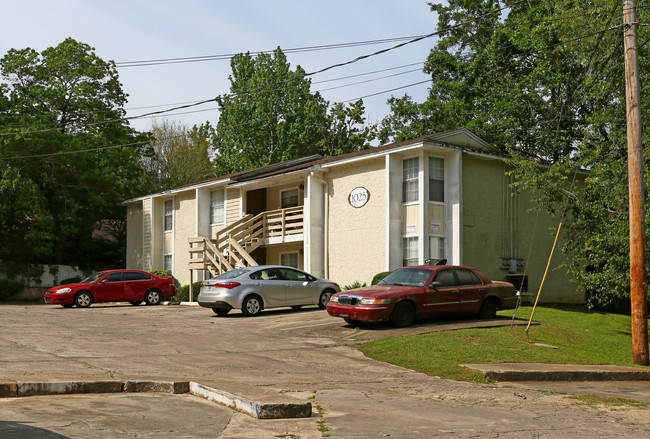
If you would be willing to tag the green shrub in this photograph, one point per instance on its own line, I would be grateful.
(166, 273)
(356, 284)
(380, 276)
(183, 293)
(10, 287)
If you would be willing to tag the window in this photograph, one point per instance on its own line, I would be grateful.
(436, 247)
(289, 259)
(134, 275)
(445, 278)
(169, 215)
(289, 198)
(217, 207)
(288, 274)
(436, 179)
(410, 248)
(468, 277)
(114, 277)
(167, 262)
(410, 180)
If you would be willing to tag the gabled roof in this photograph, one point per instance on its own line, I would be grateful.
(458, 139)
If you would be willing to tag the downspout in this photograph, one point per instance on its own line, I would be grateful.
(326, 228)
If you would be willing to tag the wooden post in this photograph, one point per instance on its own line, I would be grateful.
(638, 296)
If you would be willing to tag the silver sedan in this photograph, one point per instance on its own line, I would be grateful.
(253, 289)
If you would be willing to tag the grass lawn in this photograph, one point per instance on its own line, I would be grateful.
(581, 337)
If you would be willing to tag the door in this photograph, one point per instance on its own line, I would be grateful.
(471, 289)
(110, 288)
(299, 290)
(136, 285)
(270, 285)
(444, 298)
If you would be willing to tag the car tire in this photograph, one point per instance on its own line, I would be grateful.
(252, 305)
(136, 302)
(403, 315)
(325, 298)
(152, 297)
(488, 309)
(83, 299)
(220, 311)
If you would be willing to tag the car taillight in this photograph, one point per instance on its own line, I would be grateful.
(227, 285)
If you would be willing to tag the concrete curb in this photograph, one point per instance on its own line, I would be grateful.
(558, 372)
(12, 389)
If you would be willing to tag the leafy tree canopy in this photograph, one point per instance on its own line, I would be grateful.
(271, 115)
(61, 179)
(544, 81)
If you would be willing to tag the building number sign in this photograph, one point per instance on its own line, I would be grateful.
(358, 197)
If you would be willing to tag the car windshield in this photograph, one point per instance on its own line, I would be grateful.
(232, 274)
(92, 278)
(410, 277)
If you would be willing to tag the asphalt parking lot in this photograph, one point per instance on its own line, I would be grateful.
(282, 355)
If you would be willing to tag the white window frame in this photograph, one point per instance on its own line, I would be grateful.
(436, 178)
(406, 180)
(414, 250)
(214, 218)
(169, 215)
(296, 253)
(297, 189)
(168, 266)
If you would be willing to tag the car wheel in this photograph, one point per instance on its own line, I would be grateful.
(324, 298)
(403, 315)
(136, 302)
(67, 305)
(488, 309)
(83, 299)
(220, 311)
(252, 306)
(296, 307)
(152, 297)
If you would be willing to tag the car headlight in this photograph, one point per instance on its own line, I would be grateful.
(63, 290)
(334, 299)
(374, 301)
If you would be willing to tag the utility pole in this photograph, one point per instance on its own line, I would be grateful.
(638, 297)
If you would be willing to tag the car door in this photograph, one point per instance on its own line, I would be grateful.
(269, 284)
(471, 290)
(299, 289)
(443, 296)
(136, 285)
(110, 288)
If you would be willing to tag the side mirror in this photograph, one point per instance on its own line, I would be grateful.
(434, 285)
(103, 281)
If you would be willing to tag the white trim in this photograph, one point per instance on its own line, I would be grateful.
(177, 190)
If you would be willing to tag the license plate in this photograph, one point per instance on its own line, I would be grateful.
(345, 316)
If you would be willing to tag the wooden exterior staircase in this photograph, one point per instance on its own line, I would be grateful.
(233, 245)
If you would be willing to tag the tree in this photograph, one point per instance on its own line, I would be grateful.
(62, 174)
(542, 80)
(177, 155)
(271, 116)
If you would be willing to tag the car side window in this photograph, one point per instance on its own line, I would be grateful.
(134, 275)
(113, 277)
(288, 274)
(468, 277)
(266, 274)
(445, 278)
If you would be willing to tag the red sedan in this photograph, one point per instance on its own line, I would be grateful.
(132, 286)
(410, 293)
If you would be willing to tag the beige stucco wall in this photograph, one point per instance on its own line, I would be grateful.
(184, 228)
(357, 236)
(273, 253)
(134, 236)
(483, 221)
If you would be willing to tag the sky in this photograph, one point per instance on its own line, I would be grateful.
(140, 30)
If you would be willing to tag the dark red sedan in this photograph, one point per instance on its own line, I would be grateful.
(132, 286)
(410, 293)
